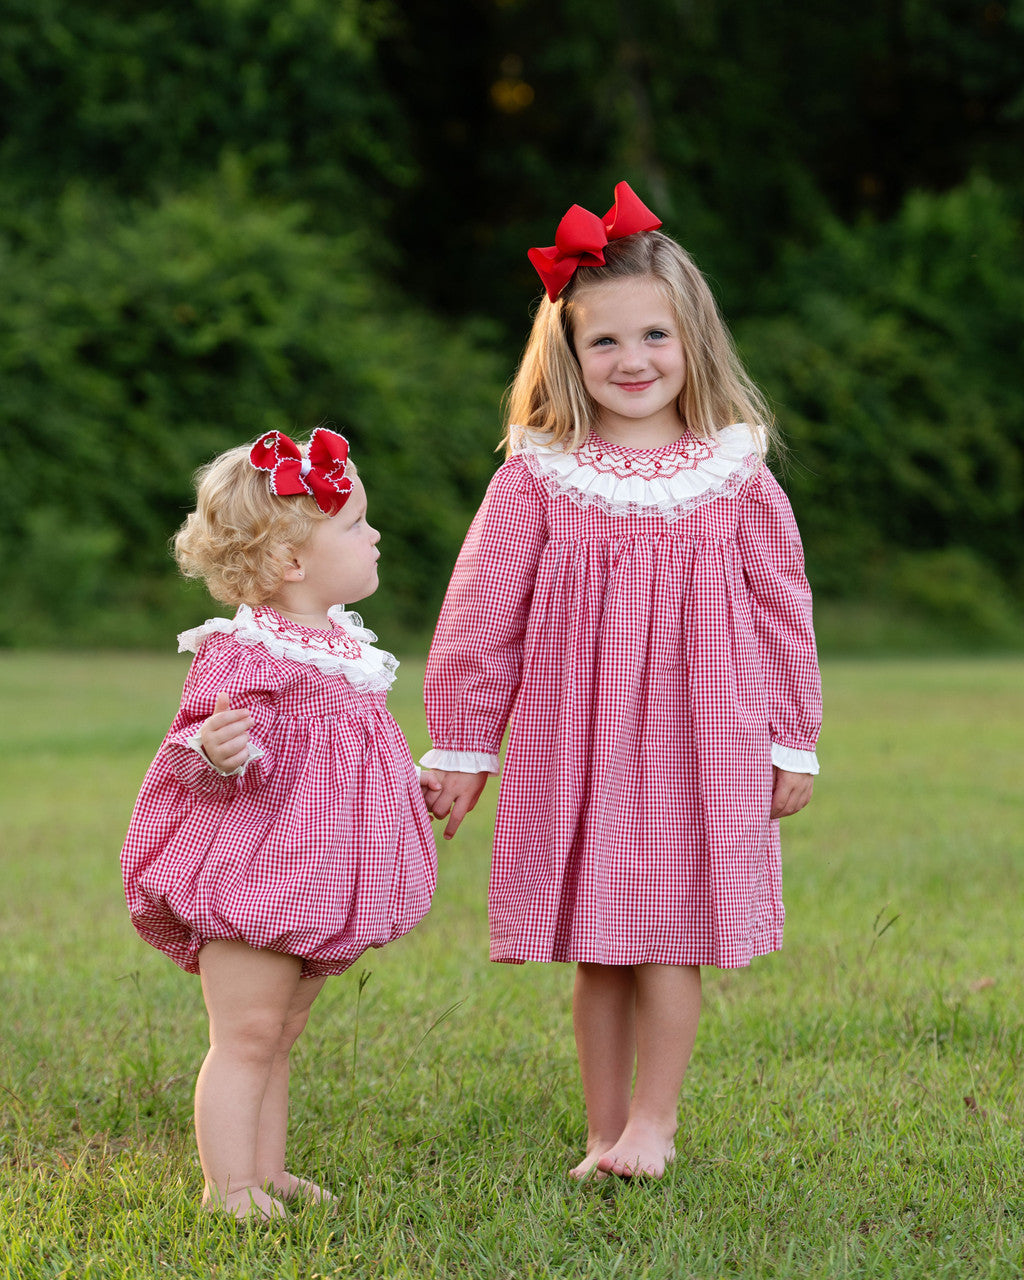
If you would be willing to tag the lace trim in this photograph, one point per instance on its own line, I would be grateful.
(346, 651)
(671, 482)
(195, 743)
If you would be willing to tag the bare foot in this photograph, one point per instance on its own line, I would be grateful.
(643, 1150)
(596, 1148)
(245, 1202)
(289, 1187)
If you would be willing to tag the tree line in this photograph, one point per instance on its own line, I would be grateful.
(237, 215)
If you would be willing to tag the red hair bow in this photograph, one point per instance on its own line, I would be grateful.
(321, 474)
(582, 236)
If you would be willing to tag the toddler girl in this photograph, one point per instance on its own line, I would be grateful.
(631, 596)
(280, 831)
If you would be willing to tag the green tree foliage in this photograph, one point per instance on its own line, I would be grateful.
(146, 343)
(894, 353)
(742, 123)
(227, 215)
(135, 98)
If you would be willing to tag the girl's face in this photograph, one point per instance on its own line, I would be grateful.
(631, 356)
(339, 562)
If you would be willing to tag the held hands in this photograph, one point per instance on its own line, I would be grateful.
(451, 795)
(225, 735)
(790, 792)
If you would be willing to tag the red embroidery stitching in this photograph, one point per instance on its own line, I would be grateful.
(685, 454)
(337, 641)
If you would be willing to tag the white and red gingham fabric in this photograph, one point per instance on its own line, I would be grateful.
(321, 848)
(647, 662)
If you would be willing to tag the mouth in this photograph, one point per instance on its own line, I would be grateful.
(634, 387)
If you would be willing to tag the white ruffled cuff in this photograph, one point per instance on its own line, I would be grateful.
(461, 761)
(793, 761)
(196, 743)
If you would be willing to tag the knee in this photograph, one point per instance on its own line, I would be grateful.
(253, 1036)
(291, 1030)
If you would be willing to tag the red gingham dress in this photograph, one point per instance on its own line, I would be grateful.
(322, 846)
(643, 620)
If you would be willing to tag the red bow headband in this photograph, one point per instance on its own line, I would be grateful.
(582, 236)
(321, 474)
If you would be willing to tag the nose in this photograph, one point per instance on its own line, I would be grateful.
(632, 358)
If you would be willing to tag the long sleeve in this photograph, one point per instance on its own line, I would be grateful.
(780, 596)
(222, 664)
(475, 662)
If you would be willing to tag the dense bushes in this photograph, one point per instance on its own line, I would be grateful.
(893, 353)
(136, 98)
(144, 343)
(237, 214)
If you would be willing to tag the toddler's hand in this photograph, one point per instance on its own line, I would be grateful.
(449, 794)
(430, 783)
(790, 792)
(225, 735)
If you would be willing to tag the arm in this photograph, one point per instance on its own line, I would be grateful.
(476, 657)
(218, 742)
(780, 604)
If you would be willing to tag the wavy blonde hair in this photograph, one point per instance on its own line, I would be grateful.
(547, 398)
(241, 534)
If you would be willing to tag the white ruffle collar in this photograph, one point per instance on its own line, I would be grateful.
(671, 481)
(346, 651)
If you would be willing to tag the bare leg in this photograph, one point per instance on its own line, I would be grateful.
(667, 1012)
(604, 1000)
(248, 995)
(273, 1124)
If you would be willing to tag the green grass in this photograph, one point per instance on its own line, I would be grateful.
(853, 1108)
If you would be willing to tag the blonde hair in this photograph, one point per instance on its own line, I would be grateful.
(239, 538)
(547, 398)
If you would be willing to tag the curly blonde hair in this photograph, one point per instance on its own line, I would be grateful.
(240, 537)
(547, 398)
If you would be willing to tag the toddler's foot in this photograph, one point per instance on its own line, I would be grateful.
(246, 1202)
(289, 1187)
(643, 1150)
(586, 1168)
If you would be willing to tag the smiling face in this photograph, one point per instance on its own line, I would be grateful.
(631, 357)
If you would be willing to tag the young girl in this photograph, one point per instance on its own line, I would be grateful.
(280, 830)
(631, 595)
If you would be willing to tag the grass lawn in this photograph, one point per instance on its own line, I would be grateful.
(853, 1109)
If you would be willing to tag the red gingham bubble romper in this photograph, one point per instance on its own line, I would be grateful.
(642, 619)
(321, 846)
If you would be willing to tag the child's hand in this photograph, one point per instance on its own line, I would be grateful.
(225, 735)
(430, 784)
(790, 792)
(449, 794)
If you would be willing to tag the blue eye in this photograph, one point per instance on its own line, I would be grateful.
(657, 334)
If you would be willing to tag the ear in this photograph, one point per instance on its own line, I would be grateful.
(294, 572)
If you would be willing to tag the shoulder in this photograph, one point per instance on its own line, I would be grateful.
(226, 639)
(514, 483)
(226, 655)
(764, 489)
